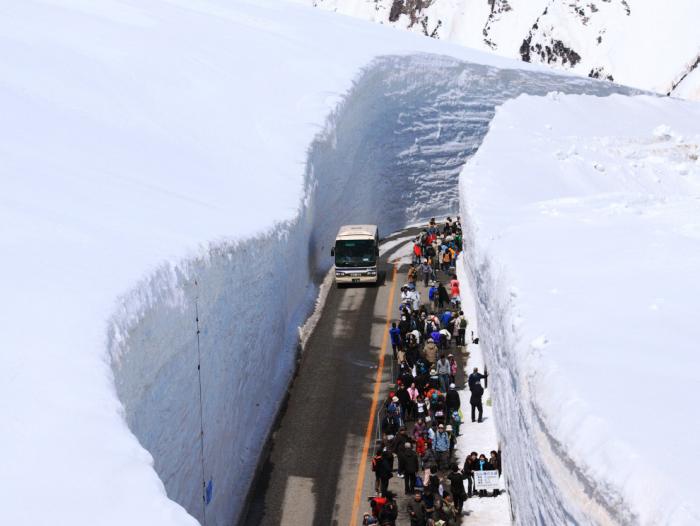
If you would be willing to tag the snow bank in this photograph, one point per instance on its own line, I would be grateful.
(159, 216)
(583, 218)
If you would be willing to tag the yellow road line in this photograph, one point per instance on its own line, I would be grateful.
(373, 409)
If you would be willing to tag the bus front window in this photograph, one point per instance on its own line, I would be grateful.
(355, 253)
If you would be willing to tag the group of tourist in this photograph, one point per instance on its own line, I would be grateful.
(422, 414)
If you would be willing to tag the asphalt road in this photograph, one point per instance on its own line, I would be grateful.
(311, 474)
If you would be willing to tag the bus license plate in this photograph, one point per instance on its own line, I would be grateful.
(355, 280)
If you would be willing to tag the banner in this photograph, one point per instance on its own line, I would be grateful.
(486, 480)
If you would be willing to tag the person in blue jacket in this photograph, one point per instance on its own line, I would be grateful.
(395, 334)
(445, 318)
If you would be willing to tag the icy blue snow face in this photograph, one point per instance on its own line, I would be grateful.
(391, 154)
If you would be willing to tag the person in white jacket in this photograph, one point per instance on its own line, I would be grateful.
(414, 297)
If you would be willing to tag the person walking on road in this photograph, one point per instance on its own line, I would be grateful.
(430, 351)
(456, 478)
(443, 296)
(410, 468)
(441, 445)
(416, 510)
(427, 272)
(453, 367)
(461, 324)
(395, 334)
(475, 400)
(384, 471)
(449, 511)
(443, 370)
(454, 289)
(413, 400)
(452, 401)
(376, 460)
(433, 296)
(390, 512)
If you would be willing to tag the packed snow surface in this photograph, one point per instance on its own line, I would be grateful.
(583, 218)
(649, 44)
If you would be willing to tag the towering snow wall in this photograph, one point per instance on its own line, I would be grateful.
(582, 248)
(390, 155)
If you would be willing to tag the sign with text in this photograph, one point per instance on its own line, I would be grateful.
(486, 480)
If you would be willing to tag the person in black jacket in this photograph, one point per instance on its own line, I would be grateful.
(384, 471)
(443, 296)
(452, 401)
(456, 478)
(416, 510)
(468, 469)
(475, 378)
(433, 482)
(398, 447)
(475, 400)
(389, 513)
(410, 468)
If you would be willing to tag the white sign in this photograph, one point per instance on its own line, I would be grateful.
(486, 480)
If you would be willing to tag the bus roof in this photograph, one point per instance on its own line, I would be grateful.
(357, 231)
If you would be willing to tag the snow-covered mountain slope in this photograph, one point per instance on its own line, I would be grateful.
(586, 243)
(648, 44)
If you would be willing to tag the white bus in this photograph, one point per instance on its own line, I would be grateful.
(356, 251)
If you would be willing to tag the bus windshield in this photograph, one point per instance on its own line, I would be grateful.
(355, 253)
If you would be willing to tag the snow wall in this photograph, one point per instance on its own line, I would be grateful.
(391, 154)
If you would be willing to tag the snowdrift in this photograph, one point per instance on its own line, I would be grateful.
(583, 216)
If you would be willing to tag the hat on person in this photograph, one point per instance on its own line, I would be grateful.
(450, 355)
(452, 386)
(407, 444)
(427, 419)
(448, 428)
(395, 399)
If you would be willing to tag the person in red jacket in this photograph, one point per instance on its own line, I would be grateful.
(454, 288)
(417, 253)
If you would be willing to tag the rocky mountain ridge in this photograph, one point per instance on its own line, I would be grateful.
(647, 44)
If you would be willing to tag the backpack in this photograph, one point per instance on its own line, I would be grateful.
(463, 323)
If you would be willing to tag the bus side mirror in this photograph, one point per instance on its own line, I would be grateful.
(332, 252)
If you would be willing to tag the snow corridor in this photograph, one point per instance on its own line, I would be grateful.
(203, 352)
